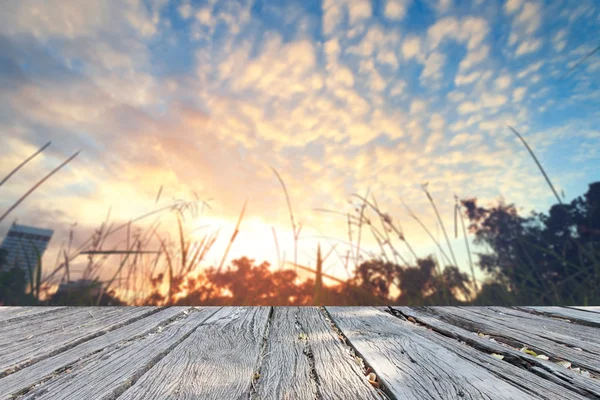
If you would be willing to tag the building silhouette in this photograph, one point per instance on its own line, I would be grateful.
(25, 245)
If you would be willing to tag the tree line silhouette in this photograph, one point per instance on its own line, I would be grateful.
(542, 259)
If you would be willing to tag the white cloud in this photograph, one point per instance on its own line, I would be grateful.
(468, 107)
(396, 9)
(528, 46)
(461, 79)
(437, 122)
(559, 40)
(385, 56)
(67, 18)
(493, 101)
(530, 69)
(469, 30)
(332, 16)
(443, 28)
(341, 75)
(359, 10)
(185, 10)
(332, 50)
(433, 66)
(377, 83)
(417, 106)
(398, 88)
(474, 57)
(486, 101)
(503, 82)
(443, 6)
(411, 47)
(204, 16)
(530, 17)
(512, 5)
(518, 94)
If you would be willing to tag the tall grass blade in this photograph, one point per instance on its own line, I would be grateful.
(55, 170)
(296, 232)
(464, 230)
(158, 194)
(591, 53)
(418, 220)
(439, 218)
(233, 236)
(537, 162)
(360, 223)
(31, 157)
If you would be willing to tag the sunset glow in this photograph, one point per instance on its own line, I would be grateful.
(202, 98)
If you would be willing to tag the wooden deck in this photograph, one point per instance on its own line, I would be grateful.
(299, 353)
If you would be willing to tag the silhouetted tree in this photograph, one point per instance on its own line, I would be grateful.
(84, 295)
(541, 259)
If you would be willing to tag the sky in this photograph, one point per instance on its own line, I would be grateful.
(340, 97)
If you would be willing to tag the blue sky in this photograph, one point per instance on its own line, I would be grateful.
(338, 96)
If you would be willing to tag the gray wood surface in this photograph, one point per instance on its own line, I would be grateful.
(10, 314)
(595, 309)
(298, 353)
(217, 361)
(414, 367)
(25, 378)
(575, 315)
(107, 373)
(521, 333)
(322, 366)
(27, 342)
(551, 377)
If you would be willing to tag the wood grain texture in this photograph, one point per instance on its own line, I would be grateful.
(106, 374)
(32, 341)
(584, 337)
(47, 367)
(414, 367)
(575, 315)
(552, 375)
(217, 361)
(520, 333)
(304, 359)
(594, 309)
(11, 314)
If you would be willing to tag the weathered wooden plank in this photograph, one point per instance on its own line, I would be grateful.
(322, 367)
(41, 324)
(10, 314)
(50, 337)
(36, 373)
(556, 374)
(595, 309)
(484, 320)
(16, 329)
(413, 367)
(217, 361)
(559, 331)
(108, 373)
(578, 316)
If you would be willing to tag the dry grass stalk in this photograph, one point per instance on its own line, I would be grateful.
(537, 162)
(295, 228)
(413, 216)
(457, 210)
(233, 236)
(31, 157)
(34, 187)
(439, 218)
